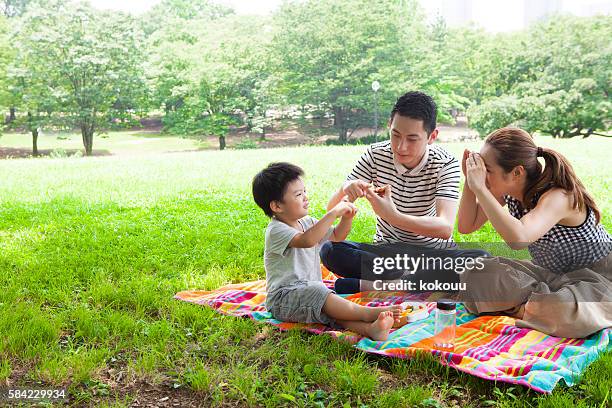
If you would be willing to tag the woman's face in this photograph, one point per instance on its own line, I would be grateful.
(498, 182)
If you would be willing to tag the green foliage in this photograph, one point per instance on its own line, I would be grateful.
(557, 82)
(13, 8)
(80, 62)
(207, 69)
(211, 74)
(6, 58)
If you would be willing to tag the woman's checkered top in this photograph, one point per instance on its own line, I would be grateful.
(562, 248)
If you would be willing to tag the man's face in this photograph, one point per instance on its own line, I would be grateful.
(409, 139)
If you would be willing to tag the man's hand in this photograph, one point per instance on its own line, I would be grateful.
(381, 202)
(344, 209)
(476, 173)
(355, 189)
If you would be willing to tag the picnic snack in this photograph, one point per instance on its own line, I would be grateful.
(412, 312)
(380, 191)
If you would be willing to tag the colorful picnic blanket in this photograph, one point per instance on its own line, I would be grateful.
(489, 347)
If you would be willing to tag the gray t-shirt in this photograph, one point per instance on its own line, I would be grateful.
(285, 265)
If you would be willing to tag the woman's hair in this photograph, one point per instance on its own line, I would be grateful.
(515, 147)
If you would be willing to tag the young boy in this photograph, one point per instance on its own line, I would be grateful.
(296, 292)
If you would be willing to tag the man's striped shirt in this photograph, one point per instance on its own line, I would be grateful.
(414, 191)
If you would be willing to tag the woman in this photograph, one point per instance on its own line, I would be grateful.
(566, 289)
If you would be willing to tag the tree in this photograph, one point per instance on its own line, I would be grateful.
(211, 74)
(91, 60)
(175, 12)
(13, 8)
(6, 57)
(557, 80)
(329, 54)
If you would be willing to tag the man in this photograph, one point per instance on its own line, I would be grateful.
(417, 190)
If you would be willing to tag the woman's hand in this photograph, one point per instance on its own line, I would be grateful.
(466, 155)
(476, 172)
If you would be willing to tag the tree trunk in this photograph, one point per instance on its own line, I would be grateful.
(34, 130)
(12, 116)
(87, 135)
(340, 123)
(221, 142)
(262, 137)
(35, 141)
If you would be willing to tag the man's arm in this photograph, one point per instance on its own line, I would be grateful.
(440, 226)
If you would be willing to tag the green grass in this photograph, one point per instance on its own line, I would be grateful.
(93, 249)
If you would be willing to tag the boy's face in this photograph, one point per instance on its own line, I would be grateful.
(409, 139)
(294, 204)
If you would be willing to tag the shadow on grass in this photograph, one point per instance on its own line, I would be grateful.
(20, 153)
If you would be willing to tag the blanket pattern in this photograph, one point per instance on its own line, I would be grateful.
(489, 347)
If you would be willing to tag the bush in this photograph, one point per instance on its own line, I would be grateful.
(246, 143)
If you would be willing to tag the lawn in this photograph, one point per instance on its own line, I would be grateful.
(92, 251)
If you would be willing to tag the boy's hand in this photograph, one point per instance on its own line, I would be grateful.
(355, 189)
(344, 209)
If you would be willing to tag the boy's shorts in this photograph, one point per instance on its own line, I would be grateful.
(302, 303)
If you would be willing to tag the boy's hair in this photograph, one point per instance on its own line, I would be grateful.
(417, 105)
(270, 184)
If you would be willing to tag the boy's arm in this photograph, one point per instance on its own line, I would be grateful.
(314, 234)
(342, 229)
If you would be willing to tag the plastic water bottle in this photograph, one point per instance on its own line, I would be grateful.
(446, 320)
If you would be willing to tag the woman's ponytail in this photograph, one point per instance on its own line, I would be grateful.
(558, 172)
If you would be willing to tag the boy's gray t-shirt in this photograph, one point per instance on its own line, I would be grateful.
(285, 265)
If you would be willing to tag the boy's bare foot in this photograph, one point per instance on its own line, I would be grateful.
(379, 329)
(396, 310)
(374, 312)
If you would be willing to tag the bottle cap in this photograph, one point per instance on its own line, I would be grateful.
(445, 304)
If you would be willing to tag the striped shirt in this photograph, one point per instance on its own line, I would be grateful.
(413, 191)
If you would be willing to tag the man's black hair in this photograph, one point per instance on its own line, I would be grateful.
(270, 184)
(417, 105)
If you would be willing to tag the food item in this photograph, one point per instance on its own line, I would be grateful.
(412, 312)
(380, 191)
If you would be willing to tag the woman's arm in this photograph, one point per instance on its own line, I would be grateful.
(470, 216)
(553, 206)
